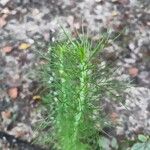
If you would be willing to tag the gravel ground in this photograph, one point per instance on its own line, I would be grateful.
(25, 24)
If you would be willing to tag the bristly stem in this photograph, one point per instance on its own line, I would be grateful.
(82, 88)
(78, 85)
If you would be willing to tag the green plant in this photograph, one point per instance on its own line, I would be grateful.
(107, 144)
(76, 81)
(143, 143)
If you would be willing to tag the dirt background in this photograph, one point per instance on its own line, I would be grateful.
(29, 25)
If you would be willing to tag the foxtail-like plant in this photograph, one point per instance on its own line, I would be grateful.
(76, 83)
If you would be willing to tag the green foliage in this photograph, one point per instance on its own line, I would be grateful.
(143, 143)
(107, 144)
(142, 138)
(75, 84)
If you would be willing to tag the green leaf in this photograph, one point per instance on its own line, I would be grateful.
(148, 146)
(114, 143)
(138, 146)
(104, 143)
(142, 138)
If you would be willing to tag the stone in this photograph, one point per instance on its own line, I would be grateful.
(4, 2)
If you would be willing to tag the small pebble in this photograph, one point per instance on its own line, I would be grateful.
(131, 46)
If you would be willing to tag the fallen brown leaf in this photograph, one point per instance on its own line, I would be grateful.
(13, 92)
(7, 49)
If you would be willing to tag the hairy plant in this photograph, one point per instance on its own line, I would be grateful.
(76, 81)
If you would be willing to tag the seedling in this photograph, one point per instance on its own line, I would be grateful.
(76, 80)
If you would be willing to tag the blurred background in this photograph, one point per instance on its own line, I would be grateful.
(29, 25)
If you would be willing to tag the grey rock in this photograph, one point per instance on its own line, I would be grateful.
(138, 97)
(4, 2)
